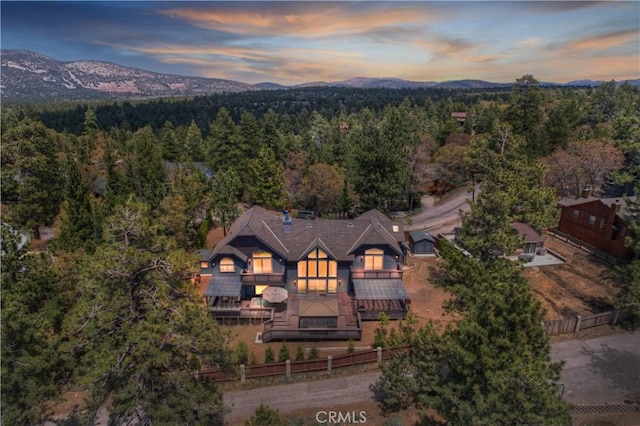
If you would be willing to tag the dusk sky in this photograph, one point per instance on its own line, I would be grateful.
(298, 42)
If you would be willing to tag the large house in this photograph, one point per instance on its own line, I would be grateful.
(310, 279)
(599, 222)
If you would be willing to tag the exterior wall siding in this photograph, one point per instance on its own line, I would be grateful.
(388, 263)
(603, 237)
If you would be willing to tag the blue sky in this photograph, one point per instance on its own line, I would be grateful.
(295, 42)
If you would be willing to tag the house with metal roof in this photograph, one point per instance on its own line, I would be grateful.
(307, 280)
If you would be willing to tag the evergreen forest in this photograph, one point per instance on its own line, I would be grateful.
(132, 189)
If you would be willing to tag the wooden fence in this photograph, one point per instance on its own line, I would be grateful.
(291, 367)
(573, 325)
(599, 254)
(552, 328)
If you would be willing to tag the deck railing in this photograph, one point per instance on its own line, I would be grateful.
(358, 274)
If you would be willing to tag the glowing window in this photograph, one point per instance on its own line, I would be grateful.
(262, 262)
(373, 259)
(227, 265)
(317, 273)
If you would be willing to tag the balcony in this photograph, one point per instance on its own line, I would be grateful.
(248, 277)
(359, 274)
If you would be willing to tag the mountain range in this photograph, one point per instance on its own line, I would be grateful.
(30, 76)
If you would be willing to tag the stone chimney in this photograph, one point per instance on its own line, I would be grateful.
(586, 192)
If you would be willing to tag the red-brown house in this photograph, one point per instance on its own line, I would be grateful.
(599, 222)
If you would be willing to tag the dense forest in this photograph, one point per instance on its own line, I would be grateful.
(133, 188)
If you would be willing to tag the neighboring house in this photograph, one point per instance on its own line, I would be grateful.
(599, 222)
(533, 242)
(421, 243)
(460, 117)
(334, 273)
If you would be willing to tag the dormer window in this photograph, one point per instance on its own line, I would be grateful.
(227, 265)
(262, 262)
(374, 259)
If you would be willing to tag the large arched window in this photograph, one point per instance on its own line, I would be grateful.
(262, 262)
(374, 259)
(227, 265)
(317, 273)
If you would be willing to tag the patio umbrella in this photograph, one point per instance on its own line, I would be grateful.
(275, 294)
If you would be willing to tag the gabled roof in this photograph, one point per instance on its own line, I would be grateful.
(527, 232)
(420, 235)
(228, 250)
(338, 237)
(624, 213)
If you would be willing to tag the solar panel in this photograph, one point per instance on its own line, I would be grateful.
(224, 286)
(379, 289)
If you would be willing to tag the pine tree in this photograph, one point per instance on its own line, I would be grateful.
(35, 299)
(511, 191)
(226, 186)
(225, 147)
(498, 365)
(138, 333)
(31, 178)
(194, 145)
(78, 225)
(171, 149)
(145, 168)
(283, 354)
(628, 276)
(267, 187)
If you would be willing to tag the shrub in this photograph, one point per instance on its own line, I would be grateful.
(265, 416)
(299, 354)
(314, 354)
(241, 352)
(283, 355)
(351, 348)
(269, 356)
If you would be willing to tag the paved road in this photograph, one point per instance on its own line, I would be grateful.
(445, 214)
(600, 370)
(597, 371)
(321, 393)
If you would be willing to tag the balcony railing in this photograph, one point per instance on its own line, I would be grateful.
(358, 274)
(274, 330)
(311, 334)
(272, 278)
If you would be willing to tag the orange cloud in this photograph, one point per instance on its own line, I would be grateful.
(332, 19)
(606, 41)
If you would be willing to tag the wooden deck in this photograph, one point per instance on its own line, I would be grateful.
(241, 312)
(285, 323)
(394, 309)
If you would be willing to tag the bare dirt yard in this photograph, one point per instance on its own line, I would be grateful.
(581, 286)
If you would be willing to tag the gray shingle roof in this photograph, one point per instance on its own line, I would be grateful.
(339, 237)
(420, 235)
